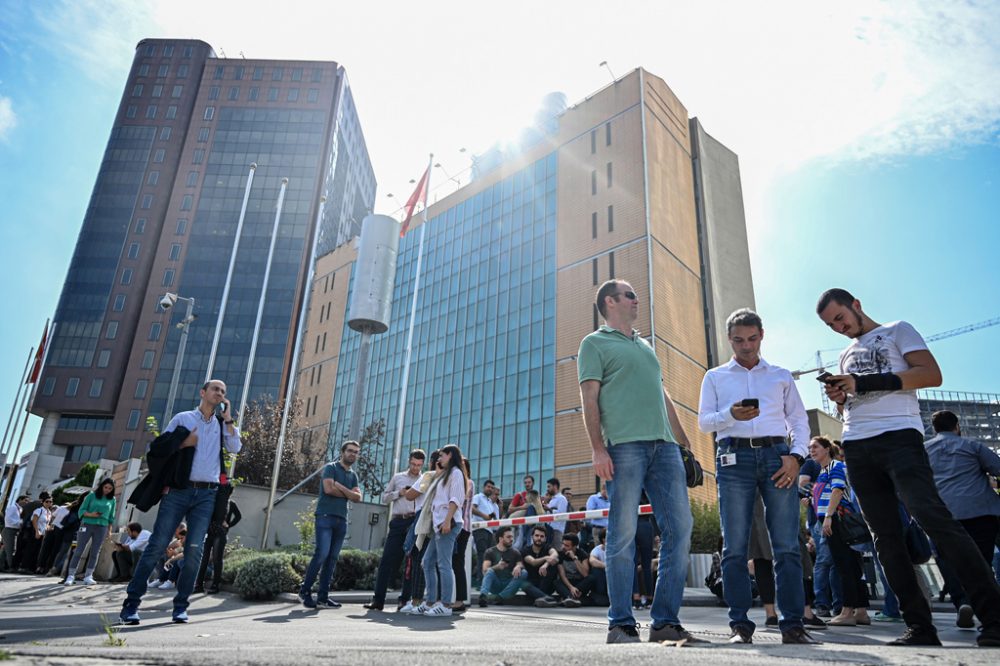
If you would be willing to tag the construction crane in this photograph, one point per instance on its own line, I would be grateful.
(821, 366)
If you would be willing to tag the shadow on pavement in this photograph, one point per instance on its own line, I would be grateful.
(411, 622)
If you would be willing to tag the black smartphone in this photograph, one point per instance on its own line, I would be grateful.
(824, 377)
(221, 408)
(750, 402)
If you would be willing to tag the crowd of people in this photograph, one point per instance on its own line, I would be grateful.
(65, 540)
(880, 490)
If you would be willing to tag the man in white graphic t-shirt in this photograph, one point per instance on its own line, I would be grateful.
(876, 391)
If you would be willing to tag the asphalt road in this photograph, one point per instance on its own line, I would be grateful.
(44, 623)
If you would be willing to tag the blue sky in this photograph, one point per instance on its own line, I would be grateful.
(868, 132)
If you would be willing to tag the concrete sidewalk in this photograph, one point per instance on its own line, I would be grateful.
(43, 622)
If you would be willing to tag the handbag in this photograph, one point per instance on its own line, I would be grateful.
(851, 528)
(692, 468)
(917, 544)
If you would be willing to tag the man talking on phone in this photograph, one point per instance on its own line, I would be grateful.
(752, 406)
(197, 459)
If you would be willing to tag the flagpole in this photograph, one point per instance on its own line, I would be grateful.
(260, 303)
(229, 277)
(398, 445)
(292, 374)
(4, 448)
(17, 451)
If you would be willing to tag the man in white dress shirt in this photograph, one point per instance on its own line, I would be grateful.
(752, 406)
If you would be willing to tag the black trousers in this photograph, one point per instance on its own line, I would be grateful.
(895, 464)
(983, 530)
(124, 561)
(50, 546)
(541, 586)
(458, 566)
(484, 540)
(215, 550)
(413, 575)
(28, 548)
(593, 588)
(848, 562)
(392, 556)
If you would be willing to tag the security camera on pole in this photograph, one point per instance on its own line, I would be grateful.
(166, 303)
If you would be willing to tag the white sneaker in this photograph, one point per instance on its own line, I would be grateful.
(406, 609)
(437, 610)
(155, 584)
(89, 580)
(168, 585)
(70, 579)
(422, 609)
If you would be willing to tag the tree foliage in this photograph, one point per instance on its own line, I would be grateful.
(260, 428)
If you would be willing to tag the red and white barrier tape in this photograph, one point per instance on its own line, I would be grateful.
(551, 518)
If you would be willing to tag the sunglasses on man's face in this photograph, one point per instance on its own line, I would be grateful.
(630, 295)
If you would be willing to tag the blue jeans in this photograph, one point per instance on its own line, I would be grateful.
(330, 534)
(826, 580)
(657, 468)
(891, 606)
(437, 563)
(195, 505)
(505, 589)
(738, 487)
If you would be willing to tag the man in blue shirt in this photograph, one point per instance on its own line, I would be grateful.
(962, 469)
(190, 497)
(339, 484)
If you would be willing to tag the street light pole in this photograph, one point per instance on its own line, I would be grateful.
(167, 302)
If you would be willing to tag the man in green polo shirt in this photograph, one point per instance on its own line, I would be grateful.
(636, 437)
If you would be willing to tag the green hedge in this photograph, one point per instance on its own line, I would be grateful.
(267, 575)
(356, 569)
(707, 528)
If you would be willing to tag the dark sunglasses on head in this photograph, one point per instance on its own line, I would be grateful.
(630, 295)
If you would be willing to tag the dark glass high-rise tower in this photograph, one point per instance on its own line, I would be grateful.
(162, 218)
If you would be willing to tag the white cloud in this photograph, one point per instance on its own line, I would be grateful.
(8, 119)
(97, 36)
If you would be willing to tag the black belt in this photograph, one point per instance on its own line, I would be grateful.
(753, 442)
(404, 516)
(202, 484)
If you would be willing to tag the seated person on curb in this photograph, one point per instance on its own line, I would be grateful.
(503, 572)
(575, 582)
(540, 562)
(173, 561)
(128, 551)
(598, 569)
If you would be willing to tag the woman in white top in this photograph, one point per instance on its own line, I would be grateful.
(445, 505)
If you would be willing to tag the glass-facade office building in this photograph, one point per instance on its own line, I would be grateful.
(621, 185)
(482, 368)
(163, 217)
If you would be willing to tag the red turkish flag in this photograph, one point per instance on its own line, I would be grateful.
(419, 194)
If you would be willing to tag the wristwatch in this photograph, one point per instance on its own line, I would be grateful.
(799, 459)
(231, 422)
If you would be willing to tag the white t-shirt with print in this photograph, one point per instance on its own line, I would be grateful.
(877, 351)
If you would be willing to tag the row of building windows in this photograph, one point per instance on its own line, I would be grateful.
(73, 387)
(86, 423)
(593, 138)
(593, 221)
(157, 90)
(163, 71)
(277, 73)
(253, 94)
(168, 51)
(132, 111)
(593, 178)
